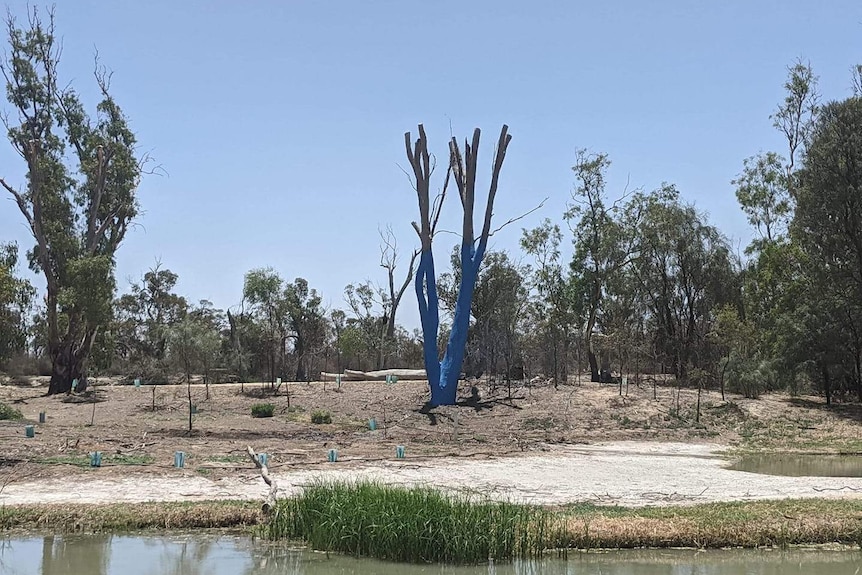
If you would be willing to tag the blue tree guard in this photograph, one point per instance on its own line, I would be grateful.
(95, 459)
(399, 452)
(372, 424)
(29, 431)
(262, 458)
(179, 459)
(332, 455)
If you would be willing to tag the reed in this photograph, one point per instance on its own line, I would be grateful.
(415, 525)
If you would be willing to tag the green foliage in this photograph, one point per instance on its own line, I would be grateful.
(416, 525)
(284, 311)
(827, 227)
(193, 345)
(262, 410)
(763, 193)
(7, 412)
(364, 333)
(684, 270)
(556, 306)
(749, 376)
(16, 298)
(307, 323)
(77, 194)
(498, 307)
(143, 319)
(320, 417)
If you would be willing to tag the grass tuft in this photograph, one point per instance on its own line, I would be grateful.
(7, 412)
(262, 410)
(320, 417)
(84, 460)
(415, 525)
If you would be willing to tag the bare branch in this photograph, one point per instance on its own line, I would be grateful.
(625, 194)
(409, 177)
(521, 217)
(396, 296)
(857, 80)
(19, 199)
(388, 247)
(438, 201)
(502, 145)
(417, 155)
(269, 504)
(157, 170)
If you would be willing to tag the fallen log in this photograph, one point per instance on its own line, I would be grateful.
(269, 502)
(327, 376)
(378, 375)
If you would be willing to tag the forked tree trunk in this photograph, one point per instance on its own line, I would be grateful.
(443, 375)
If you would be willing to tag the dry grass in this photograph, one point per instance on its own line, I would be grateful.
(128, 517)
(749, 524)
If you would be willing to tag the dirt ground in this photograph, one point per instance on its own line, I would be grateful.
(579, 442)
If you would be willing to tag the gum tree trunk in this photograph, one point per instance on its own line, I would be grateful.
(443, 375)
(67, 365)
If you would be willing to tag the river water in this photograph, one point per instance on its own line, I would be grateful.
(801, 465)
(226, 555)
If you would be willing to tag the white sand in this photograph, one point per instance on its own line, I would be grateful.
(625, 473)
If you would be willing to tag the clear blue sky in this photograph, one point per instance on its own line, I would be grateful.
(281, 124)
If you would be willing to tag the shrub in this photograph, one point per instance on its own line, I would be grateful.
(262, 410)
(320, 416)
(9, 412)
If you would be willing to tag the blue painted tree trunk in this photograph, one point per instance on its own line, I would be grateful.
(443, 375)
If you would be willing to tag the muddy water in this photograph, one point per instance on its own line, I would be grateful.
(211, 555)
(796, 465)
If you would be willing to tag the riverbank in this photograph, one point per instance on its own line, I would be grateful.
(752, 524)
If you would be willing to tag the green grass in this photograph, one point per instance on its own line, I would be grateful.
(7, 412)
(118, 459)
(262, 410)
(84, 460)
(78, 460)
(415, 525)
(320, 417)
(228, 458)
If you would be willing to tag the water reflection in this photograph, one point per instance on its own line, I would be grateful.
(798, 465)
(221, 555)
